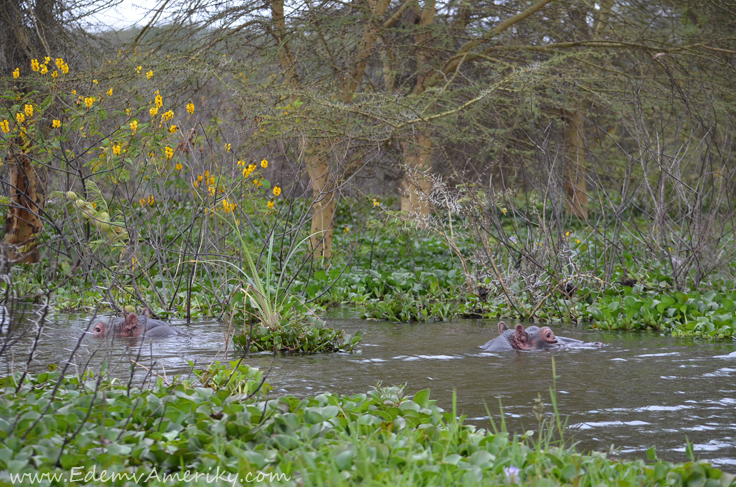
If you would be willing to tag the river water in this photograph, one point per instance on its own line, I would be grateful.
(640, 390)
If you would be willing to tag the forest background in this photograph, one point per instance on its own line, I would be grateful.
(567, 160)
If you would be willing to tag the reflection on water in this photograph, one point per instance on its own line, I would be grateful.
(641, 390)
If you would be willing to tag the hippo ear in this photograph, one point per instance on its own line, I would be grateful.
(521, 335)
(502, 327)
(131, 321)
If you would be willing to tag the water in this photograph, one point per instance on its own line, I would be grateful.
(641, 390)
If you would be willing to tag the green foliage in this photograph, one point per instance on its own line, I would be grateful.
(381, 437)
(708, 315)
(297, 337)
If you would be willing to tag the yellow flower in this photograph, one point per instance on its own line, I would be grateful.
(178, 166)
(173, 129)
(149, 74)
(109, 92)
(5, 126)
(56, 124)
(29, 110)
(142, 201)
(44, 69)
(34, 64)
(504, 210)
(577, 240)
(206, 174)
(190, 107)
(567, 234)
(46, 60)
(94, 81)
(16, 73)
(55, 74)
(150, 200)
(153, 111)
(347, 229)
(270, 204)
(89, 101)
(59, 62)
(199, 178)
(375, 202)
(211, 181)
(127, 111)
(138, 69)
(195, 184)
(264, 163)
(20, 117)
(65, 68)
(116, 149)
(276, 191)
(227, 147)
(167, 116)
(74, 92)
(169, 152)
(159, 102)
(134, 126)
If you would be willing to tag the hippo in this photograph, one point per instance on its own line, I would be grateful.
(533, 338)
(133, 326)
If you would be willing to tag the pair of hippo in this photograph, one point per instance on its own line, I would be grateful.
(134, 326)
(533, 338)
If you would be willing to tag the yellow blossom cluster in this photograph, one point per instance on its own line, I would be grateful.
(20, 118)
(16, 73)
(134, 126)
(166, 116)
(190, 108)
(227, 206)
(150, 201)
(56, 123)
(149, 74)
(116, 149)
(89, 101)
(264, 163)
(5, 126)
(43, 68)
(173, 129)
(276, 191)
(375, 202)
(270, 204)
(29, 110)
(178, 166)
(153, 111)
(227, 147)
(169, 152)
(248, 170)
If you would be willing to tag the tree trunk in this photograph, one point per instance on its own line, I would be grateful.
(575, 164)
(23, 222)
(416, 183)
(323, 207)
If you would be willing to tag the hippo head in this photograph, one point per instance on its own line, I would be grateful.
(99, 330)
(131, 327)
(541, 337)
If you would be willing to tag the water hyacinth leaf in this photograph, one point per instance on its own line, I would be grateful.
(344, 460)
(422, 398)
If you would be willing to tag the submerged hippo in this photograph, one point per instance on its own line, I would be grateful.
(133, 326)
(533, 338)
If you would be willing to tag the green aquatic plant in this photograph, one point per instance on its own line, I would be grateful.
(54, 425)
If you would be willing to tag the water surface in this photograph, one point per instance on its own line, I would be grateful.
(641, 390)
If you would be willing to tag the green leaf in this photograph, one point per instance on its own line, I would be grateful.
(422, 398)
